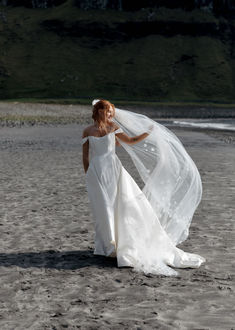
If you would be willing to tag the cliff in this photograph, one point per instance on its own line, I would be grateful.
(149, 54)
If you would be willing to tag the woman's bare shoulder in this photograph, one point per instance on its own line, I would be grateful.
(114, 126)
(87, 130)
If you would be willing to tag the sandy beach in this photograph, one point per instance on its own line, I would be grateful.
(49, 277)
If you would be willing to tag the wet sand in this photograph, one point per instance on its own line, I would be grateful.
(50, 278)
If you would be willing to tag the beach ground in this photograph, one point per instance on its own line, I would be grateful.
(50, 278)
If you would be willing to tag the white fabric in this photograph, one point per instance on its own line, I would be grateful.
(172, 181)
(84, 139)
(126, 225)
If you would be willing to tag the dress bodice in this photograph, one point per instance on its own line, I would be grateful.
(101, 145)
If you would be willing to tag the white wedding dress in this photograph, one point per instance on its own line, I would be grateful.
(126, 225)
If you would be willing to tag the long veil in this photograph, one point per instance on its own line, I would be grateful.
(172, 183)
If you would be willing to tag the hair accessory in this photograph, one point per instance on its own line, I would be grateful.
(95, 101)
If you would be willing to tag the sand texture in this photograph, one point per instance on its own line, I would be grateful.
(50, 278)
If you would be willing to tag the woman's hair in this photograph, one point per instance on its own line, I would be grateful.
(101, 116)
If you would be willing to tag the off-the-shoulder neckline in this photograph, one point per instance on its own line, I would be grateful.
(99, 137)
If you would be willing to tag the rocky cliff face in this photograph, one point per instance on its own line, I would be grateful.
(127, 31)
(152, 54)
(33, 3)
(219, 6)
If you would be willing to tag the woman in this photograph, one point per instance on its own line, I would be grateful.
(140, 228)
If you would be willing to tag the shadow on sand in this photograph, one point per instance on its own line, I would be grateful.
(58, 260)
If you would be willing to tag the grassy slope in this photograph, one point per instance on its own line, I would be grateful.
(36, 63)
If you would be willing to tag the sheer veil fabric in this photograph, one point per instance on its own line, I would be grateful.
(172, 183)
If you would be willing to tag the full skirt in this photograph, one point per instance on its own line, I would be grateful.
(126, 226)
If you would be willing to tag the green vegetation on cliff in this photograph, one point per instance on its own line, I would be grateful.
(148, 55)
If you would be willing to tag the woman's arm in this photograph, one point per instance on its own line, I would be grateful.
(134, 139)
(85, 150)
(117, 142)
(85, 155)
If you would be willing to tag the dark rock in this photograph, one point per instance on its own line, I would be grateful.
(33, 3)
(99, 4)
(131, 5)
(125, 31)
(219, 6)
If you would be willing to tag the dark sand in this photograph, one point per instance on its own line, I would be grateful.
(50, 278)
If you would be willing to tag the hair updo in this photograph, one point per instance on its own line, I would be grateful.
(101, 116)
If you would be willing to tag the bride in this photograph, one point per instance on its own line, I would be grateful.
(141, 228)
